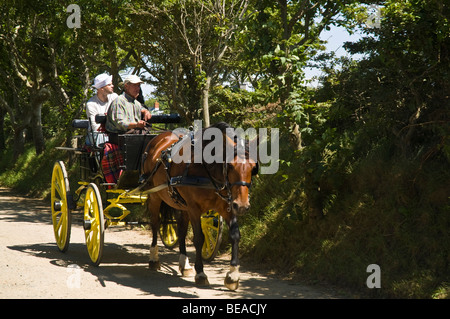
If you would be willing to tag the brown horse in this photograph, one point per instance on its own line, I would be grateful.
(225, 189)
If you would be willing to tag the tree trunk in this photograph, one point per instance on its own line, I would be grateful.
(314, 198)
(296, 137)
(36, 128)
(174, 85)
(114, 67)
(19, 142)
(205, 100)
(38, 99)
(2, 130)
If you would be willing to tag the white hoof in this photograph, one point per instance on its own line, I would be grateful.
(232, 278)
(153, 262)
(184, 267)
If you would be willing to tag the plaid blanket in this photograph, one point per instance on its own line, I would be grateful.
(111, 162)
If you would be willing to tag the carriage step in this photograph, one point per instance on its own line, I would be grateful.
(108, 184)
(87, 224)
(118, 223)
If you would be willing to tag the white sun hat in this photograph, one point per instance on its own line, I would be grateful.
(102, 80)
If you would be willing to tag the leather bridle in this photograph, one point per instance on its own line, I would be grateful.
(226, 186)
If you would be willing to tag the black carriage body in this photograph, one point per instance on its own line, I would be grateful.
(89, 163)
(132, 147)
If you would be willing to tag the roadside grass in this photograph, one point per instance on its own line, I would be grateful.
(31, 174)
(390, 212)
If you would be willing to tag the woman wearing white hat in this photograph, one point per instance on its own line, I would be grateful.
(99, 104)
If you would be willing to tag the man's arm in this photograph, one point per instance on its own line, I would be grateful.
(146, 115)
(142, 119)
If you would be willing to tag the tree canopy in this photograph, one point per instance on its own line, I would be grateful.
(188, 49)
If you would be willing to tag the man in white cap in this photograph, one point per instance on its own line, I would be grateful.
(99, 104)
(125, 112)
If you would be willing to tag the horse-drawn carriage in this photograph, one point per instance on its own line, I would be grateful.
(165, 188)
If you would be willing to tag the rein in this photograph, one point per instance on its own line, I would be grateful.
(226, 186)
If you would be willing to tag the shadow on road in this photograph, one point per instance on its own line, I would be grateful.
(127, 264)
(118, 266)
(25, 210)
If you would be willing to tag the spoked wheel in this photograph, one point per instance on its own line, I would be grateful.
(168, 229)
(212, 226)
(61, 206)
(94, 223)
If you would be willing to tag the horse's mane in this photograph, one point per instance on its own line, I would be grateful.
(222, 126)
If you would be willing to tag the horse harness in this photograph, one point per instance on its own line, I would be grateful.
(194, 181)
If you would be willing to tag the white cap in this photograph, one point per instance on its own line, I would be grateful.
(102, 80)
(132, 79)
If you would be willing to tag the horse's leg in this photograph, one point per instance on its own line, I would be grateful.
(183, 223)
(200, 278)
(153, 208)
(232, 277)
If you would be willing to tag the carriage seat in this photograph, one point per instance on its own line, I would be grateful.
(133, 146)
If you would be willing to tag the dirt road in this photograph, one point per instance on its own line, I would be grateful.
(32, 267)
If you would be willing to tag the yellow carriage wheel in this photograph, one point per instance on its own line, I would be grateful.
(94, 223)
(168, 229)
(212, 226)
(60, 205)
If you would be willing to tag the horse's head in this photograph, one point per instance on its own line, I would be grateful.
(238, 177)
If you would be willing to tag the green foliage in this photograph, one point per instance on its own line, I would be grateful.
(375, 215)
(237, 107)
(31, 174)
(370, 184)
